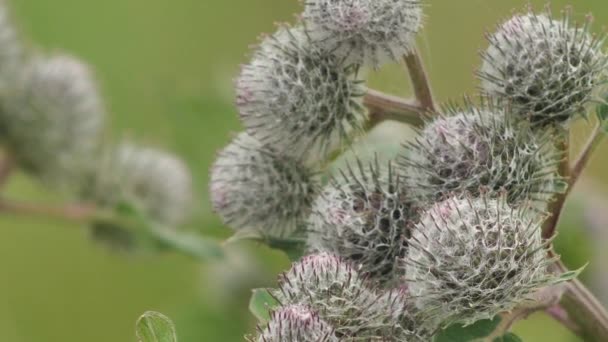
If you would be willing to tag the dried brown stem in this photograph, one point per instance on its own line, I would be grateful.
(389, 107)
(420, 80)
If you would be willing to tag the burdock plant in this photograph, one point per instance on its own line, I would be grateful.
(473, 258)
(549, 68)
(296, 323)
(451, 238)
(476, 146)
(364, 215)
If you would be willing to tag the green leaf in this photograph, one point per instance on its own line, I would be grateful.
(244, 235)
(292, 247)
(602, 114)
(602, 111)
(112, 235)
(125, 208)
(473, 332)
(155, 327)
(147, 235)
(509, 337)
(570, 275)
(294, 254)
(194, 245)
(560, 186)
(261, 303)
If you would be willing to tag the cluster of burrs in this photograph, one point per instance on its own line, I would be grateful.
(450, 231)
(340, 304)
(52, 127)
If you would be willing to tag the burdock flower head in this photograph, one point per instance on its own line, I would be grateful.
(254, 188)
(482, 146)
(154, 182)
(298, 99)
(54, 119)
(368, 32)
(472, 258)
(332, 287)
(296, 323)
(548, 68)
(363, 216)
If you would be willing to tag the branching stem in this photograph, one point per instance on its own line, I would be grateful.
(584, 310)
(389, 107)
(573, 173)
(561, 315)
(506, 322)
(555, 208)
(579, 165)
(420, 80)
(586, 316)
(410, 111)
(72, 212)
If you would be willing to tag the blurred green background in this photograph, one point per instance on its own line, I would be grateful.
(166, 70)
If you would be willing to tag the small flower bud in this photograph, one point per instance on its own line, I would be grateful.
(470, 259)
(332, 287)
(154, 182)
(482, 146)
(296, 323)
(253, 188)
(299, 100)
(363, 216)
(548, 68)
(368, 32)
(54, 119)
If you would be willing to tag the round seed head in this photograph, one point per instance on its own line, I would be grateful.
(332, 287)
(482, 147)
(296, 323)
(369, 32)
(548, 68)
(156, 183)
(298, 99)
(54, 119)
(253, 188)
(362, 215)
(470, 259)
